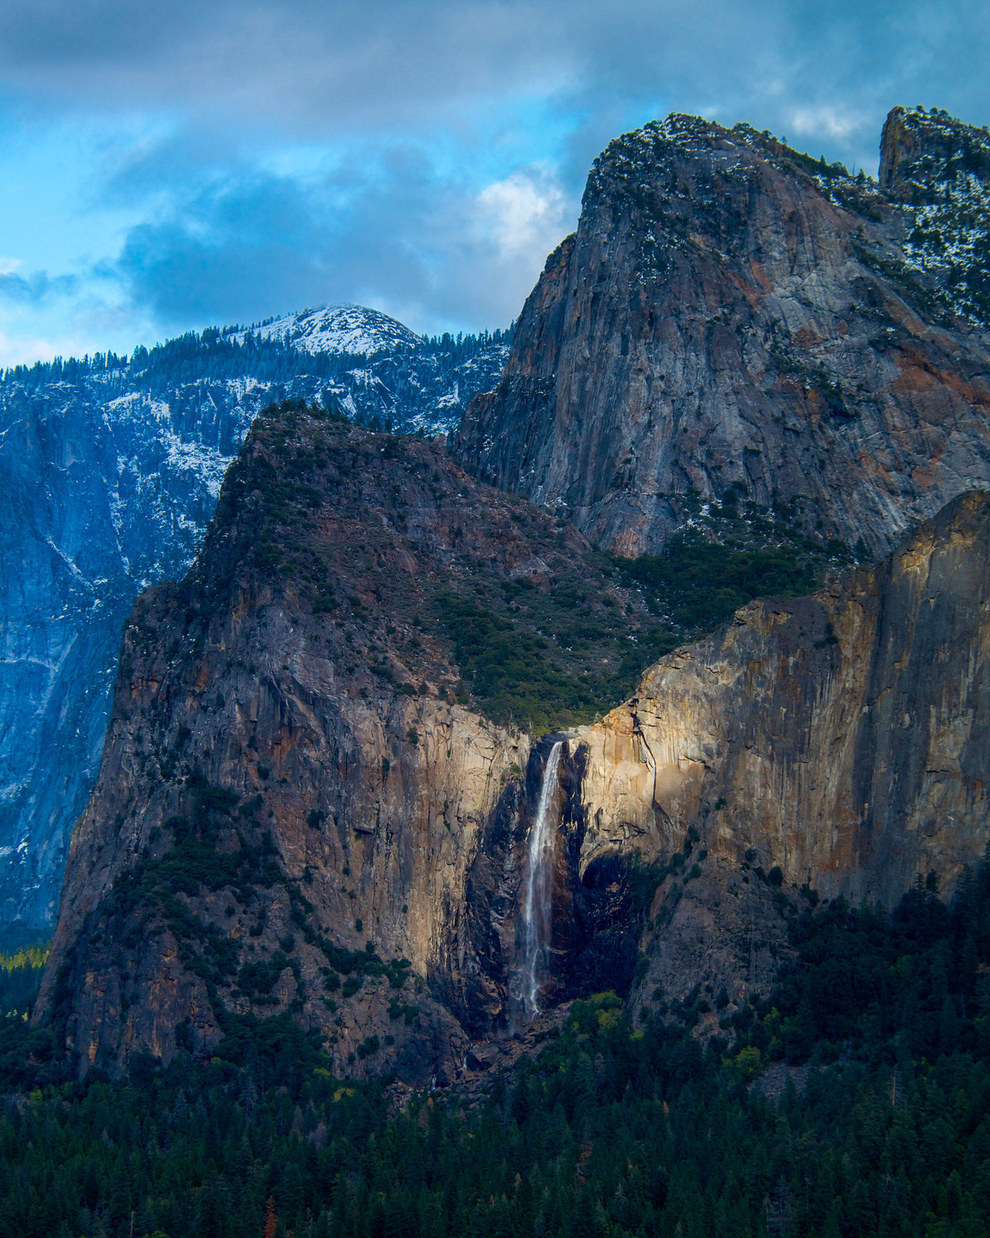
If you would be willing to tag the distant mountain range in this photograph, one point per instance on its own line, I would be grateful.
(110, 468)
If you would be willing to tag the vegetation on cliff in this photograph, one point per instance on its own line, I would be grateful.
(542, 630)
(536, 627)
(725, 555)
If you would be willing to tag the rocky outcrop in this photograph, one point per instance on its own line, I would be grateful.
(111, 469)
(299, 813)
(735, 321)
(304, 812)
(939, 170)
(922, 153)
(841, 740)
(295, 812)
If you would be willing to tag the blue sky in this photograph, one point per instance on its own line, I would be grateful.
(166, 168)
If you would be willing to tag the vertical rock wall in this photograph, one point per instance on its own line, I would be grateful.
(842, 738)
(734, 318)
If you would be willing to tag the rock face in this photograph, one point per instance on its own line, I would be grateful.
(302, 811)
(940, 170)
(923, 152)
(841, 739)
(296, 817)
(111, 470)
(102, 496)
(735, 320)
(292, 801)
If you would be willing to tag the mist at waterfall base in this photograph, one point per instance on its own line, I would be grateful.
(537, 903)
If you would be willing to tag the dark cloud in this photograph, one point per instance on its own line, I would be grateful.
(37, 288)
(311, 66)
(410, 109)
(389, 231)
(317, 68)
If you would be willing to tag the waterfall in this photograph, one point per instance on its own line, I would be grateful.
(538, 898)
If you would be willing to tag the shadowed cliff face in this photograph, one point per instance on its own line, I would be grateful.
(294, 813)
(732, 317)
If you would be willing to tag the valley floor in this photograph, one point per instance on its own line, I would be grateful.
(853, 1100)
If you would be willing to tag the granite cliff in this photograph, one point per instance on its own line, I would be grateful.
(111, 469)
(322, 780)
(733, 319)
(302, 811)
(839, 741)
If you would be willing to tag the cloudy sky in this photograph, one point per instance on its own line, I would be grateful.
(171, 166)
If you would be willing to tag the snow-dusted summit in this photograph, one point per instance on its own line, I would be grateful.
(341, 329)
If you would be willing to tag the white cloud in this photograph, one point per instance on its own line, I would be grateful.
(525, 215)
(830, 121)
(26, 349)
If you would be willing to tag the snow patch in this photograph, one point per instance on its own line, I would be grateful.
(340, 329)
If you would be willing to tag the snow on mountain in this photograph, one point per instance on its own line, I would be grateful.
(341, 329)
(938, 170)
(110, 468)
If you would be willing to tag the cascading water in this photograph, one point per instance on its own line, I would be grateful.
(537, 899)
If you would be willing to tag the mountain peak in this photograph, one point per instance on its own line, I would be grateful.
(736, 317)
(340, 328)
(921, 151)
